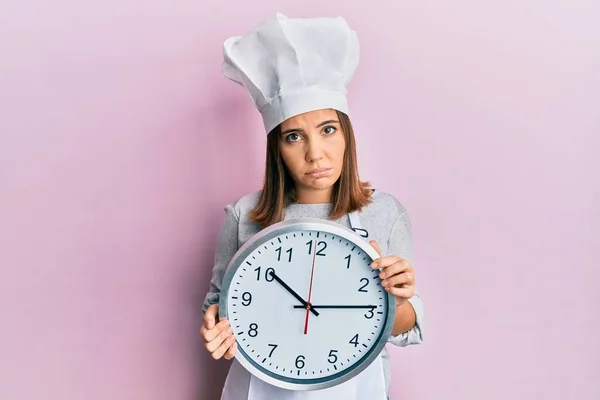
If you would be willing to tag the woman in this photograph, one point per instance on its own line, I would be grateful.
(296, 72)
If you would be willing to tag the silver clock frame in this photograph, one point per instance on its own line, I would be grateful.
(268, 234)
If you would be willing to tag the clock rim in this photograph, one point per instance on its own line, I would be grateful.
(269, 233)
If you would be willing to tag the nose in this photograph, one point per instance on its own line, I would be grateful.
(315, 149)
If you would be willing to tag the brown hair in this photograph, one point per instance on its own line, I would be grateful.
(349, 192)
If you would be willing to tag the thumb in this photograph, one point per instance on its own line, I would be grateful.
(210, 316)
(376, 246)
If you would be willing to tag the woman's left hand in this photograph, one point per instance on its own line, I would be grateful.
(398, 275)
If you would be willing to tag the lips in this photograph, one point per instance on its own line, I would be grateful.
(319, 173)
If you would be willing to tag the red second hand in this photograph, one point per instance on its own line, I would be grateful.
(310, 288)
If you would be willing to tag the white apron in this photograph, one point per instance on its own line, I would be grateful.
(368, 385)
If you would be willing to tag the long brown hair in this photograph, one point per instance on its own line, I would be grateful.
(349, 192)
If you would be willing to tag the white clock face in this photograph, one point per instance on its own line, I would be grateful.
(277, 335)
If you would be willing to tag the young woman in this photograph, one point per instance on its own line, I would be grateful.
(295, 71)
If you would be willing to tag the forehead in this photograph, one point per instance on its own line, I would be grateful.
(309, 119)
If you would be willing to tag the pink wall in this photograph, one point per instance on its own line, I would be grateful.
(116, 135)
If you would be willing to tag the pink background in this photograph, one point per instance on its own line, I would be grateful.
(119, 147)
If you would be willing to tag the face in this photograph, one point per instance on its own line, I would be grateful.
(312, 146)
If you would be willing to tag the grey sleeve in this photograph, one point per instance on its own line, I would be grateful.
(227, 245)
(400, 244)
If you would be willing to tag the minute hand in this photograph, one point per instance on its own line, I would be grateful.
(336, 306)
(296, 295)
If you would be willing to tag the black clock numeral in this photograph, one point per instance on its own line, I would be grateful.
(348, 257)
(246, 298)
(370, 314)
(354, 340)
(253, 332)
(268, 276)
(320, 251)
(300, 362)
(332, 357)
(289, 252)
(362, 288)
(273, 349)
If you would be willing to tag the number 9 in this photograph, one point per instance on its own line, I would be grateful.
(247, 298)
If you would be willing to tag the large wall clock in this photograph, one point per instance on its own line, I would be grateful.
(307, 310)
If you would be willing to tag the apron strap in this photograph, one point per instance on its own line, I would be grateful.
(355, 224)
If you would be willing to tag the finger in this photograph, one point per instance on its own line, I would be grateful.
(385, 262)
(401, 292)
(211, 334)
(220, 351)
(231, 351)
(398, 280)
(210, 316)
(399, 267)
(376, 246)
(218, 340)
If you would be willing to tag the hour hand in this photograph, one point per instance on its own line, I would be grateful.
(304, 305)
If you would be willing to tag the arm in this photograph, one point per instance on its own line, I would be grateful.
(227, 245)
(406, 318)
(408, 326)
(218, 335)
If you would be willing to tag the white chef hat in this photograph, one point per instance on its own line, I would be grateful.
(290, 66)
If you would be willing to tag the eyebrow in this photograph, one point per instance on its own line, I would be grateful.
(293, 130)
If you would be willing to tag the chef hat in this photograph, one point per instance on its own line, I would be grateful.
(290, 66)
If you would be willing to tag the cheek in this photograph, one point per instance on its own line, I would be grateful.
(337, 152)
(292, 159)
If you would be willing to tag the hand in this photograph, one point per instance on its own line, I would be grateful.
(398, 275)
(218, 337)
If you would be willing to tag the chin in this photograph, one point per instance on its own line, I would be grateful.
(321, 184)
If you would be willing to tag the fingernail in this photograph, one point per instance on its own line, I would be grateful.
(384, 283)
(374, 265)
(382, 275)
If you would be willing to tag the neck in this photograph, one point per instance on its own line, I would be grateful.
(313, 196)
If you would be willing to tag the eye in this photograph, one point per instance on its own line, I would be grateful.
(329, 130)
(292, 137)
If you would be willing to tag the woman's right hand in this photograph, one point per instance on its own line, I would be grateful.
(218, 336)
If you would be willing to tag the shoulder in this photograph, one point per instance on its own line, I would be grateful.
(243, 205)
(387, 204)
